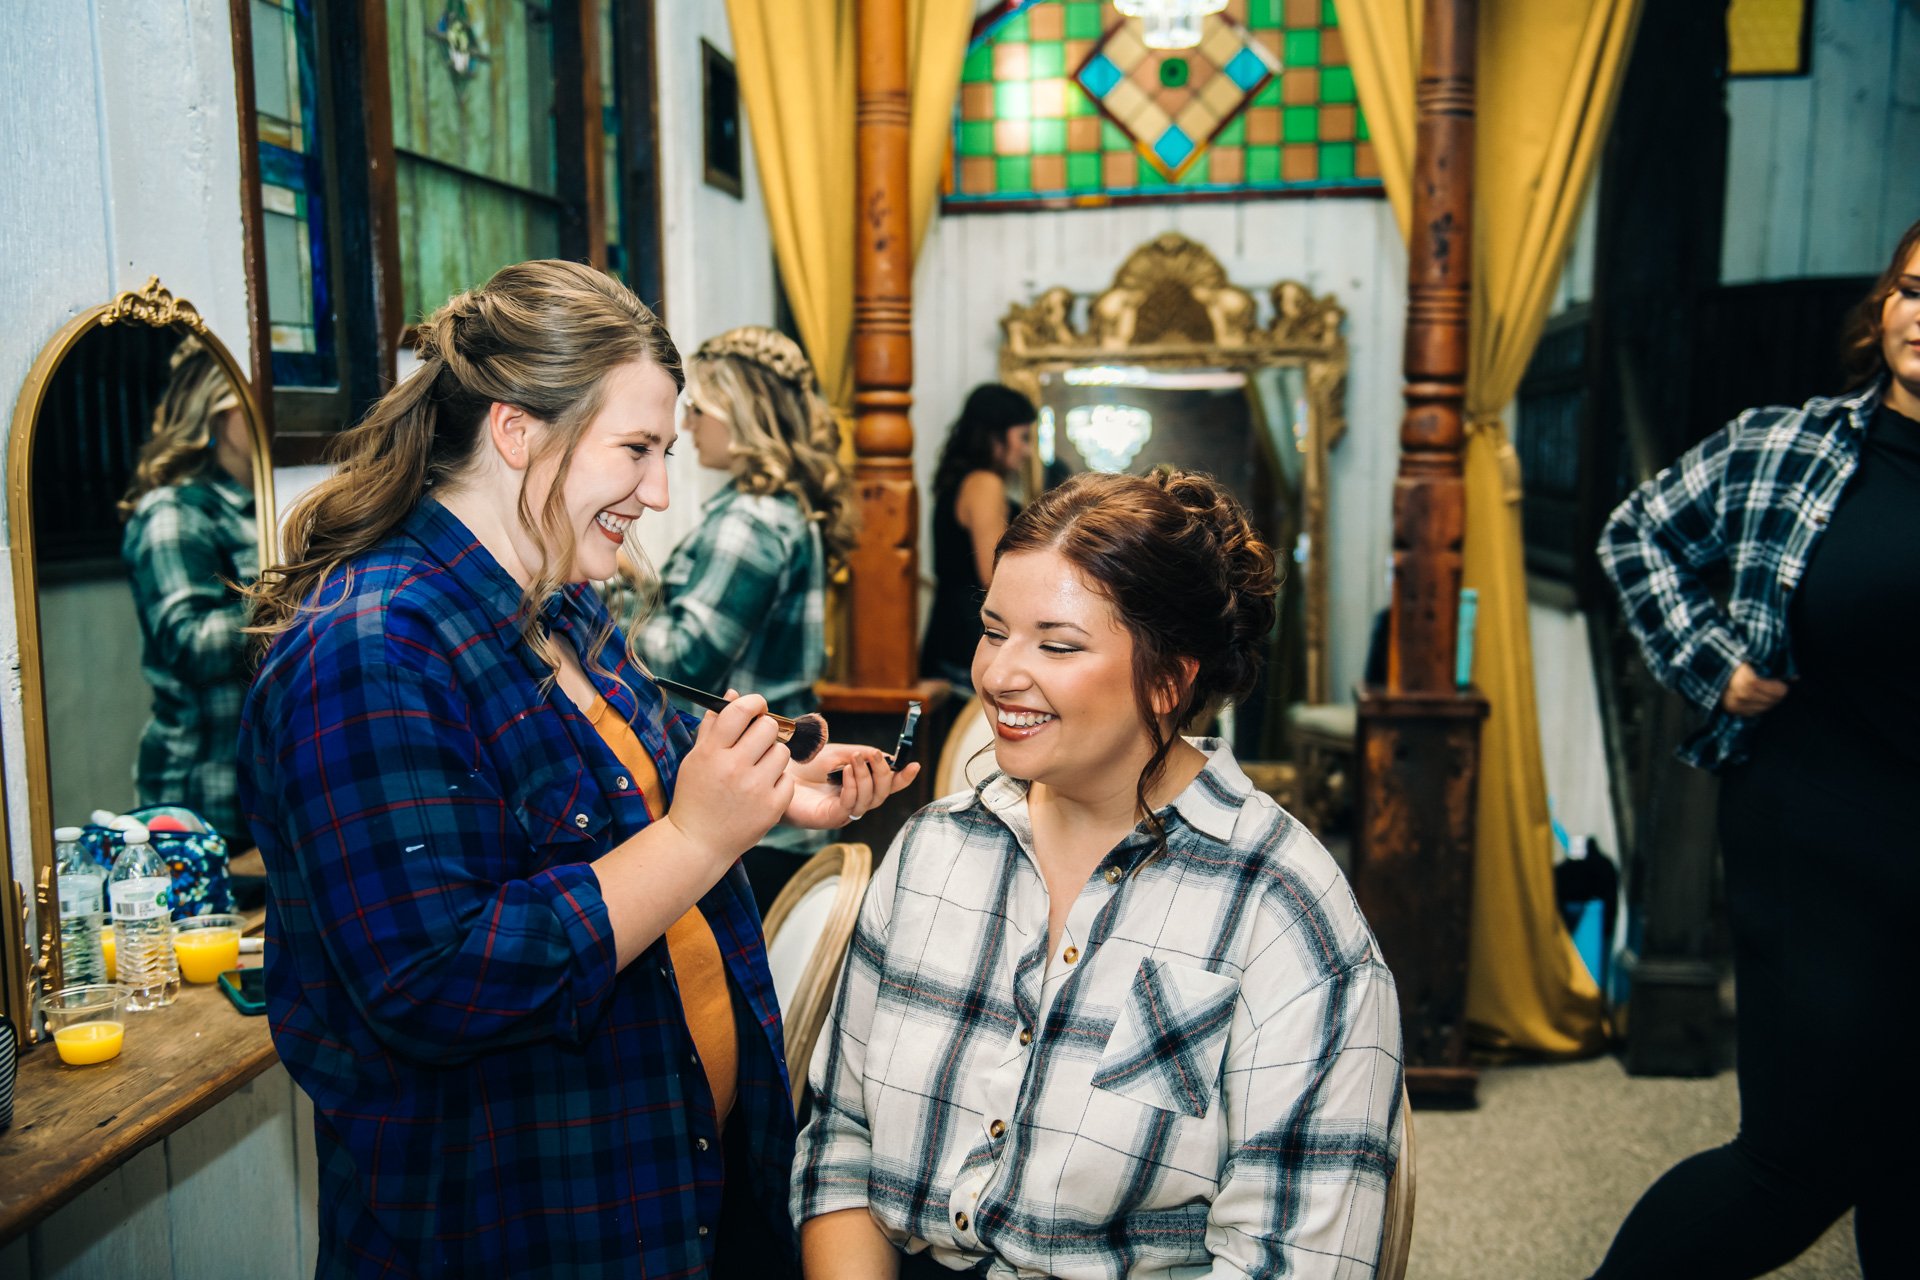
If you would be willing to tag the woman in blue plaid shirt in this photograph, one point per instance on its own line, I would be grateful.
(510, 955)
(1806, 676)
(1113, 1012)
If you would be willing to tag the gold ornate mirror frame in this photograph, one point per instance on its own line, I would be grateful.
(154, 306)
(1171, 306)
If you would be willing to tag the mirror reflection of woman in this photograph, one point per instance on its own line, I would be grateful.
(1113, 1012)
(987, 446)
(190, 533)
(743, 598)
(510, 957)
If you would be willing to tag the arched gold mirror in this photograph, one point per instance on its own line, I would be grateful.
(139, 492)
(1175, 363)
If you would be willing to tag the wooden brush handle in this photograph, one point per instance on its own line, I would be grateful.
(714, 702)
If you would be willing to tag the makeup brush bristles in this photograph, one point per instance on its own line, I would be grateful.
(808, 736)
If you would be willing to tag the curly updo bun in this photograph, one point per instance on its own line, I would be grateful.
(1188, 576)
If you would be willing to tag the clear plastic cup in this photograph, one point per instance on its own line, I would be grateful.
(88, 1023)
(207, 946)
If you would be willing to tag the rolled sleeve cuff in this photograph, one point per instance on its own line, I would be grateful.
(574, 892)
(1705, 665)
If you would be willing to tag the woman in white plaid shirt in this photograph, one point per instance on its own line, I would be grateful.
(1806, 675)
(1112, 1013)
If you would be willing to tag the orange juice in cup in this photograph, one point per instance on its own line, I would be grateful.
(88, 1023)
(207, 946)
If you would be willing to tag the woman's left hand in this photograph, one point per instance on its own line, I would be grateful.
(865, 781)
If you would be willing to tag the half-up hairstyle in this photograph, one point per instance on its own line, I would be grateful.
(784, 435)
(1187, 576)
(540, 336)
(198, 392)
(1861, 346)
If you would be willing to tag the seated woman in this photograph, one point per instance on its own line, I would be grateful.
(190, 532)
(971, 509)
(1114, 1012)
(743, 598)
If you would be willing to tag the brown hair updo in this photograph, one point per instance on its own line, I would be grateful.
(1187, 576)
(541, 336)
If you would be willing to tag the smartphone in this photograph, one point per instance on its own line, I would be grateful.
(247, 988)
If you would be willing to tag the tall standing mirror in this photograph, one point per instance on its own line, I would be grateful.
(140, 495)
(1175, 364)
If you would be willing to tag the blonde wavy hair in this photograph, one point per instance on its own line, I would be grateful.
(541, 336)
(198, 392)
(784, 436)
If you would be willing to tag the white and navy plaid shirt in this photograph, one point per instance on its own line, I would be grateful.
(1202, 1079)
(1752, 498)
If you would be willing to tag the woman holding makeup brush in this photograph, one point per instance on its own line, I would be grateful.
(1813, 512)
(513, 960)
(742, 600)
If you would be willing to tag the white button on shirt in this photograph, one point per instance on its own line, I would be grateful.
(1219, 1007)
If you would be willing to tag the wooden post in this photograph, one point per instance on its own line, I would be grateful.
(884, 569)
(1420, 736)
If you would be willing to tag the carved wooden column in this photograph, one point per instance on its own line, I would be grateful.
(1419, 737)
(884, 569)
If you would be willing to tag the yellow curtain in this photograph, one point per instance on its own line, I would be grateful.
(1548, 75)
(797, 80)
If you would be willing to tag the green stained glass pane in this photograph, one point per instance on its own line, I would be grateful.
(1234, 134)
(1263, 15)
(976, 138)
(1196, 174)
(1113, 137)
(1336, 84)
(1083, 172)
(1329, 13)
(978, 68)
(1300, 124)
(1269, 95)
(1013, 174)
(1012, 101)
(1302, 49)
(1078, 103)
(1362, 132)
(1046, 60)
(1049, 137)
(1336, 160)
(1149, 175)
(1014, 28)
(1084, 20)
(1263, 164)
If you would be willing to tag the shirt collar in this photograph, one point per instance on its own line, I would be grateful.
(1210, 804)
(231, 491)
(1860, 406)
(447, 540)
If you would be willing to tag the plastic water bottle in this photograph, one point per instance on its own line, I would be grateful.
(142, 924)
(82, 910)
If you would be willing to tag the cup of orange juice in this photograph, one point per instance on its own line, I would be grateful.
(88, 1023)
(207, 946)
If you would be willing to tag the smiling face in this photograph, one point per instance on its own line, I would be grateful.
(1055, 672)
(1900, 338)
(619, 468)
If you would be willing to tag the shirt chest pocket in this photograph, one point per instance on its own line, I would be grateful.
(1168, 1042)
(562, 812)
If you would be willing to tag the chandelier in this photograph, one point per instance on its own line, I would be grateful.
(1170, 24)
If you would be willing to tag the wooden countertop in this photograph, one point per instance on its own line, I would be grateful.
(72, 1125)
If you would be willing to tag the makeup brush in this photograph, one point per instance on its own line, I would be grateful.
(804, 737)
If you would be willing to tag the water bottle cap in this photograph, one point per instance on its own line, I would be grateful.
(67, 835)
(135, 834)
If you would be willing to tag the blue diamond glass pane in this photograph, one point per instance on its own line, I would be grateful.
(1100, 75)
(1173, 147)
(1246, 69)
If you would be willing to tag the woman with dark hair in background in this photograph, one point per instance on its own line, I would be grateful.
(971, 510)
(1113, 1012)
(1806, 676)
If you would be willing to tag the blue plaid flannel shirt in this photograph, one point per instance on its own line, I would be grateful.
(491, 1097)
(1753, 499)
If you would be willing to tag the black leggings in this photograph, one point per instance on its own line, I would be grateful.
(1816, 892)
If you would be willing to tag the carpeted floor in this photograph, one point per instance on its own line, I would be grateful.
(1532, 1184)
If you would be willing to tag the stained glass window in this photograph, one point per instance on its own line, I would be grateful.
(1061, 100)
(292, 194)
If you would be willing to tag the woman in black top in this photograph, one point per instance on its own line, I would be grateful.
(1817, 510)
(970, 511)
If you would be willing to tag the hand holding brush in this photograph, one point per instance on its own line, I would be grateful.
(804, 736)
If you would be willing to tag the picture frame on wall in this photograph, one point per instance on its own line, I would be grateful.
(720, 120)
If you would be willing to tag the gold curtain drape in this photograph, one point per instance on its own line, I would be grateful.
(1549, 73)
(797, 79)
